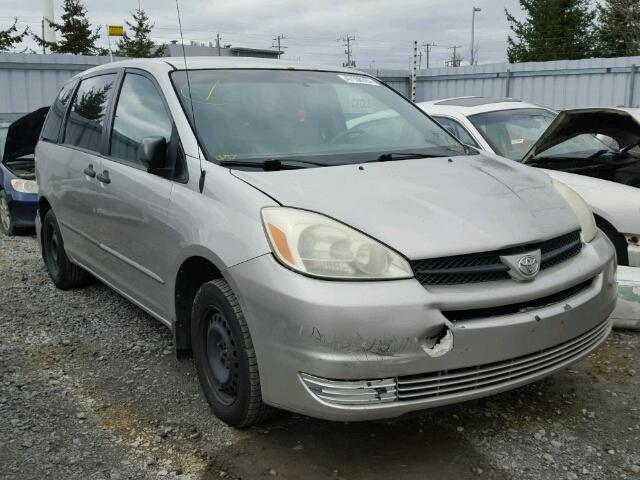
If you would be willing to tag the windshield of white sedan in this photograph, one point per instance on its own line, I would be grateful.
(512, 133)
(304, 116)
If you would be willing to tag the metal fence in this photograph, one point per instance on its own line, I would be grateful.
(599, 82)
(31, 81)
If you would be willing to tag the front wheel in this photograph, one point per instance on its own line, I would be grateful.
(6, 223)
(224, 357)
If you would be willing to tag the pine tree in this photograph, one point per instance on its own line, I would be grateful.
(75, 30)
(618, 31)
(139, 44)
(10, 37)
(552, 30)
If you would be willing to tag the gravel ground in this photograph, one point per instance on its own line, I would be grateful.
(90, 390)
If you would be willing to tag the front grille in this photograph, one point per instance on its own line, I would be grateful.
(451, 384)
(478, 313)
(487, 267)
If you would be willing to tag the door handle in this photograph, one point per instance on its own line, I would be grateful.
(89, 171)
(104, 177)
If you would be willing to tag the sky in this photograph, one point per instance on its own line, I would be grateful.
(384, 30)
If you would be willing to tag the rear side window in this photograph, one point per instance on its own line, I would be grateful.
(87, 118)
(51, 128)
(140, 113)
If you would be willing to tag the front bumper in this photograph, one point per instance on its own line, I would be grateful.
(23, 208)
(381, 331)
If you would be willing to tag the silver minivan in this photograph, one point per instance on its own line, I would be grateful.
(315, 240)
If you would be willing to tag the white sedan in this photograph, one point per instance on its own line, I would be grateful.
(592, 150)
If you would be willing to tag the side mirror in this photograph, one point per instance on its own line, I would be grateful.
(152, 153)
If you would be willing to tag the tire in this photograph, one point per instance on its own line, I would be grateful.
(6, 222)
(65, 275)
(224, 357)
(618, 241)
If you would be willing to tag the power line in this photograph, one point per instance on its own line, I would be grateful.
(349, 39)
(279, 39)
(456, 60)
(427, 49)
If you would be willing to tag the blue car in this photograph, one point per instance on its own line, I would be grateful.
(18, 187)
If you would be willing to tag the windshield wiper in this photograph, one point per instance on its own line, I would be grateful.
(393, 156)
(272, 164)
(599, 153)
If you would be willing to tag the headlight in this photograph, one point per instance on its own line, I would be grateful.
(321, 247)
(580, 208)
(24, 186)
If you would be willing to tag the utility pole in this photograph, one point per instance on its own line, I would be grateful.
(414, 69)
(348, 42)
(218, 43)
(44, 50)
(473, 32)
(427, 50)
(455, 59)
(278, 44)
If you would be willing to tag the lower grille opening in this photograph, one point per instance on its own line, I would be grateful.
(479, 313)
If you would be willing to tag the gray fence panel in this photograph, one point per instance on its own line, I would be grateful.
(598, 82)
(31, 81)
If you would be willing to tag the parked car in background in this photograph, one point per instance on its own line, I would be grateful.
(312, 262)
(591, 150)
(18, 188)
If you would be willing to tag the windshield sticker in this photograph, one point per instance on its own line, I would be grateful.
(226, 156)
(359, 79)
(517, 141)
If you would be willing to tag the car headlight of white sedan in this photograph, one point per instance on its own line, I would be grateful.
(580, 208)
(319, 246)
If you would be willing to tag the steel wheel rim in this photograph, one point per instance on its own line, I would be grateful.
(54, 249)
(4, 213)
(222, 356)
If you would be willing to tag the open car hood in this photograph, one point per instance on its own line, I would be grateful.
(620, 124)
(23, 135)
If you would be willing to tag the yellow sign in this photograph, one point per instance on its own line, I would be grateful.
(115, 30)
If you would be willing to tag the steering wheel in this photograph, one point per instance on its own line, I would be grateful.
(350, 135)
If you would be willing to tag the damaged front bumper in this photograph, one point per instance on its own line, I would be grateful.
(364, 350)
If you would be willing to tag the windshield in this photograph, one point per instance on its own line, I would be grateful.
(322, 117)
(3, 139)
(512, 133)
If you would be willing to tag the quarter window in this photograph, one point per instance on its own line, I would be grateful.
(51, 128)
(87, 117)
(457, 130)
(140, 113)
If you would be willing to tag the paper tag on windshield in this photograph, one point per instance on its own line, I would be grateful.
(360, 79)
(517, 141)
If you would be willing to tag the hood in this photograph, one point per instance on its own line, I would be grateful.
(621, 124)
(23, 135)
(430, 207)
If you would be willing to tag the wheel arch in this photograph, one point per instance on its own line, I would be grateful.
(195, 268)
(617, 238)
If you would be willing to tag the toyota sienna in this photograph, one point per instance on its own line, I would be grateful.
(314, 238)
